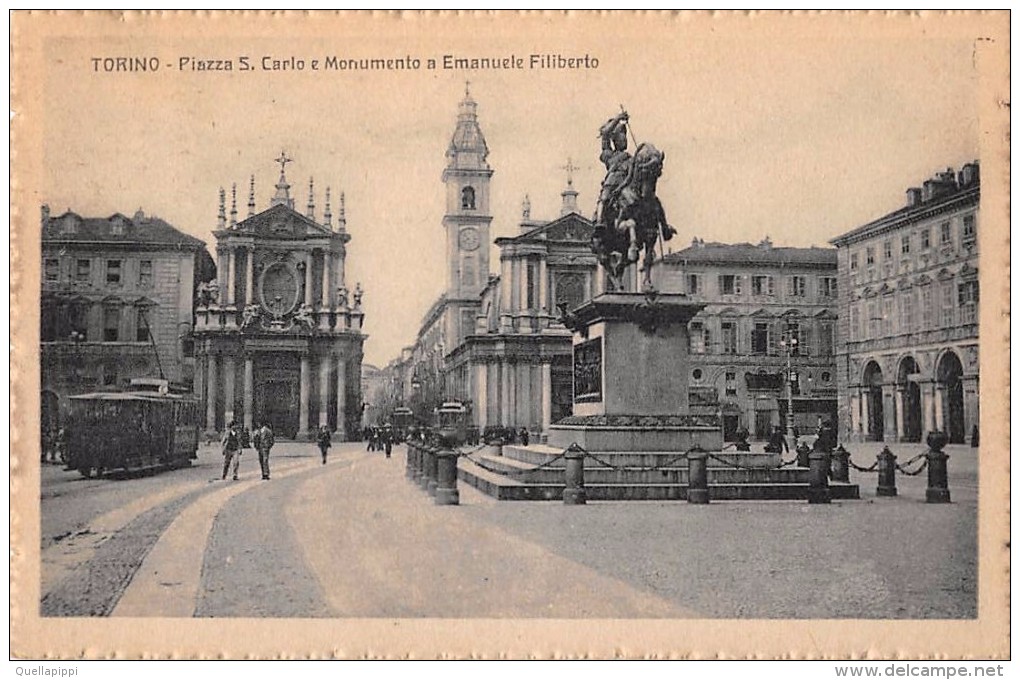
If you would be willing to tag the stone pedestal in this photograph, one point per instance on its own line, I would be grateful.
(631, 377)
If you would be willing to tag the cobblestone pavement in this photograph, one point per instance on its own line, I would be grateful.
(354, 538)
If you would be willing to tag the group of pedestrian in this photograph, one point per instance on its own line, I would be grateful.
(238, 438)
(381, 439)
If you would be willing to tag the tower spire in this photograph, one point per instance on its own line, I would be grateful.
(251, 197)
(233, 205)
(328, 215)
(526, 208)
(342, 217)
(282, 196)
(311, 198)
(221, 220)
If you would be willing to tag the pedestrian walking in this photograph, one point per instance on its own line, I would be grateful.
(388, 442)
(231, 450)
(525, 436)
(777, 442)
(324, 439)
(264, 441)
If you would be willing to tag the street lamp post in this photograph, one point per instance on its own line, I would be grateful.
(789, 345)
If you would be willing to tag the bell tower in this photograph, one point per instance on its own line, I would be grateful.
(468, 215)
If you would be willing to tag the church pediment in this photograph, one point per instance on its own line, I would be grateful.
(570, 227)
(281, 222)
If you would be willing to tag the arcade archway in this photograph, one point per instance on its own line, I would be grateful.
(909, 392)
(873, 388)
(950, 388)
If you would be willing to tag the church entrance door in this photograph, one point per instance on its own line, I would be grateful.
(278, 398)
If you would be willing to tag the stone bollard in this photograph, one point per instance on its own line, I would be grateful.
(818, 478)
(803, 455)
(409, 461)
(697, 476)
(886, 473)
(573, 492)
(938, 472)
(431, 470)
(841, 465)
(446, 478)
(423, 467)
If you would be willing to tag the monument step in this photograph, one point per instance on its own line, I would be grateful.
(676, 474)
(504, 488)
(540, 454)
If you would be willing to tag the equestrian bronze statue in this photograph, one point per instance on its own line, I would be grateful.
(629, 218)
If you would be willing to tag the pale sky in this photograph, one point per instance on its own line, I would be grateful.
(797, 137)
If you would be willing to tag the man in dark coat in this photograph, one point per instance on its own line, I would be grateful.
(264, 440)
(323, 439)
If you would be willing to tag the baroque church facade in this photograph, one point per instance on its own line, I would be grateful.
(278, 334)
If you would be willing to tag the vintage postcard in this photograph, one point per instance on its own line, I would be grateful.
(509, 335)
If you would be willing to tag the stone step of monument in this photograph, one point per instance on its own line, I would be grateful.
(539, 454)
(506, 488)
(600, 474)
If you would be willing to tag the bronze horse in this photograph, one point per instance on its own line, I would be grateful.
(634, 220)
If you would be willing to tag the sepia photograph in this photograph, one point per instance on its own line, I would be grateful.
(509, 335)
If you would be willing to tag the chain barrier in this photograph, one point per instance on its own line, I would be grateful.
(918, 471)
(486, 467)
(472, 451)
(855, 466)
(736, 465)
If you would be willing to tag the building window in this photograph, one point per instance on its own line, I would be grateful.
(78, 320)
(905, 244)
(948, 317)
(52, 269)
(927, 314)
(699, 337)
(142, 326)
(693, 284)
(49, 321)
(467, 198)
(855, 322)
(111, 323)
(113, 268)
(145, 274)
(853, 261)
(117, 228)
(887, 250)
(925, 239)
(968, 299)
(729, 284)
(83, 270)
(731, 384)
(906, 298)
(946, 233)
(729, 337)
(798, 286)
(828, 286)
(696, 374)
(969, 234)
(888, 315)
(874, 319)
(762, 285)
(760, 338)
(791, 336)
(870, 255)
(826, 339)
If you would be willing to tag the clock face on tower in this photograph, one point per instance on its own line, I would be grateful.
(469, 239)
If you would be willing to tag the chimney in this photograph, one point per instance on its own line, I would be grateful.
(913, 196)
(969, 174)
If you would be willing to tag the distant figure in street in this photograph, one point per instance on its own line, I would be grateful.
(245, 436)
(264, 441)
(742, 444)
(231, 449)
(826, 440)
(388, 441)
(323, 440)
(525, 436)
(777, 442)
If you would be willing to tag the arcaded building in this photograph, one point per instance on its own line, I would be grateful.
(908, 350)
